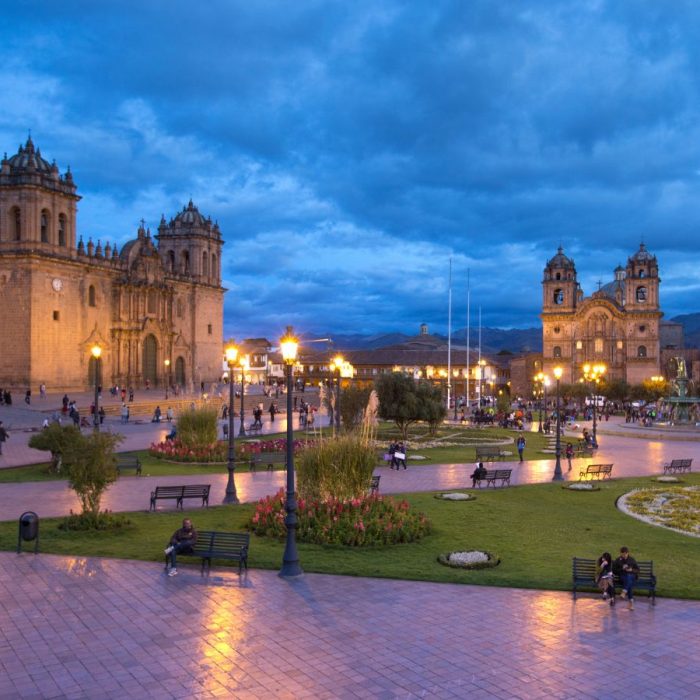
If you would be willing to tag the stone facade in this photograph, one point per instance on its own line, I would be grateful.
(618, 325)
(150, 302)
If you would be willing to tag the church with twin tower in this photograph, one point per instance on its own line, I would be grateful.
(155, 307)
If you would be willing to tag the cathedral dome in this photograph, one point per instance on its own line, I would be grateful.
(561, 261)
(642, 255)
(190, 216)
(29, 158)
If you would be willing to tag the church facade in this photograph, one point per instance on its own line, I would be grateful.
(155, 307)
(617, 326)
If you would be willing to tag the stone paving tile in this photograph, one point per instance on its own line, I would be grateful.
(93, 628)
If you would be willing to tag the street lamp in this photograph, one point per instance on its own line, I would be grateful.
(96, 351)
(558, 476)
(593, 375)
(231, 496)
(245, 364)
(167, 377)
(337, 363)
(539, 377)
(290, 561)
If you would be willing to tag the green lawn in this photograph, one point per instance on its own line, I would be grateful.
(459, 447)
(534, 529)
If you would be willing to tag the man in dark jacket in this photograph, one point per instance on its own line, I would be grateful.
(3, 435)
(182, 542)
(627, 569)
(478, 474)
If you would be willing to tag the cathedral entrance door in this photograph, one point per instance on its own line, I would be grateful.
(180, 371)
(150, 357)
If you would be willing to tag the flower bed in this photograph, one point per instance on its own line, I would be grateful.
(470, 559)
(254, 447)
(175, 451)
(675, 507)
(359, 522)
(455, 497)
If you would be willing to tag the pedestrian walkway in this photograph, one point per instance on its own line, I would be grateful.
(72, 627)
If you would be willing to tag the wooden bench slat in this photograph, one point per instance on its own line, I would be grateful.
(179, 493)
(600, 470)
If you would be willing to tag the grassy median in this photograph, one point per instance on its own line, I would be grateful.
(535, 529)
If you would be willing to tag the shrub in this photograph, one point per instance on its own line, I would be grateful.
(55, 439)
(94, 521)
(340, 467)
(196, 428)
(356, 522)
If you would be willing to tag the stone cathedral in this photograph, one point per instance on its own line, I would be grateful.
(150, 302)
(617, 325)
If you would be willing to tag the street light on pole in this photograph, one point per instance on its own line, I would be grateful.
(558, 476)
(231, 495)
(167, 377)
(539, 377)
(245, 364)
(96, 351)
(291, 567)
(593, 375)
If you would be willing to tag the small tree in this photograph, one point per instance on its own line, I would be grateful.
(431, 406)
(398, 400)
(56, 440)
(352, 406)
(91, 468)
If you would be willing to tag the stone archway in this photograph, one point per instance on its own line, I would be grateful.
(150, 360)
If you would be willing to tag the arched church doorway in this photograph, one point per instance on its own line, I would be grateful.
(180, 371)
(150, 359)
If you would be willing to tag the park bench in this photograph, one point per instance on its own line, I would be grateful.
(595, 472)
(678, 465)
(488, 453)
(374, 486)
(178, 493)
(220, 545)
(583, 448)
(269, 459)
(254, 428)
(494, 475)
(128, 462)
(585, 570)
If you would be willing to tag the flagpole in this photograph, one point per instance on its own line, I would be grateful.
(449, 343)
(480, 369)
(468, 308)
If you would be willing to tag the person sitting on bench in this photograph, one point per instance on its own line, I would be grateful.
(182, 542)
(478, 474)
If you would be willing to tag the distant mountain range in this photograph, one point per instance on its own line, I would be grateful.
(494, 340)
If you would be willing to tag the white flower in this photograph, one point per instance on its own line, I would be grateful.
(581, 487)
(456, 496)
(473, 557)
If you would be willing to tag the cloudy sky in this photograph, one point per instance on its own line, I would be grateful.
(350, 149)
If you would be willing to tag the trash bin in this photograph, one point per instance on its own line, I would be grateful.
(28, 530)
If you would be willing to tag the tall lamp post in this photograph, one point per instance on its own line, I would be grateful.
(558, 476)
(539, 377)
(245, 363)
(231, 495)
(167, 377)
(290, 561)
(96, 351)
(337, 363)
(593, 375)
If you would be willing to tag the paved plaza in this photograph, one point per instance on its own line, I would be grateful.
(73, 627)
(100, 628)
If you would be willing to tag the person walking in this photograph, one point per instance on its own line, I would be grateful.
(569, 453)
(627, 569)
(520, 444)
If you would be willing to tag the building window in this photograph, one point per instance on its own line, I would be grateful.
(557, 329)
(558, 296)
(16, 219)
(557, 351)
(209, 329)
(619, 345)
(61, 230)
(557, 276)
(56, 315)
(180, 308)
(641, 273)
(214, 271)
(185, 257)
(641, 294)
(44, 227)
(205, 264)
(91, 295)
(171, 260)
(642, 329)
(579, 345)
(598, 346)
(642, 351)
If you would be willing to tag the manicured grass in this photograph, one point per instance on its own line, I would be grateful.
(535, 530)
(461, 439)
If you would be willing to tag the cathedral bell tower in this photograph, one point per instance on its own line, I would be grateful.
(559, 286)
(37, 204)
(642, 281)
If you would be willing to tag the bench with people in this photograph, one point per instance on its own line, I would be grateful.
(607, 575)
(490, 476)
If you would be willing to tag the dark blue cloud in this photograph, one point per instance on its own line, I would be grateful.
(348, 150)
